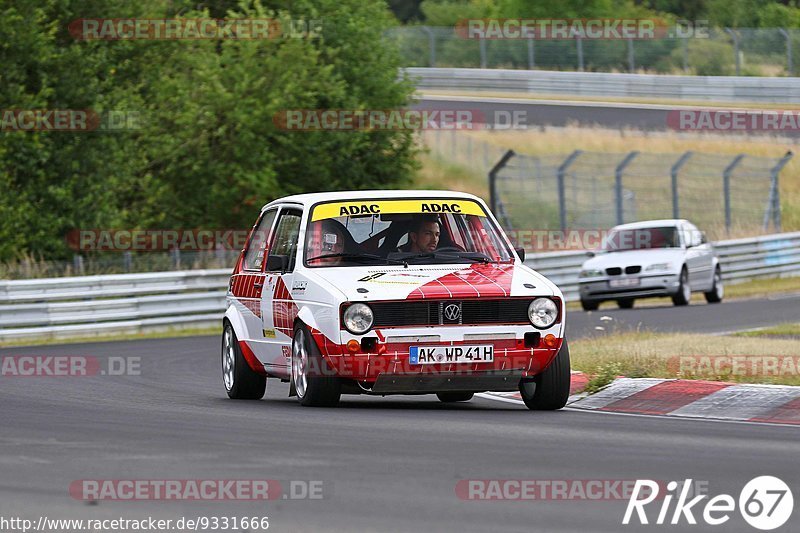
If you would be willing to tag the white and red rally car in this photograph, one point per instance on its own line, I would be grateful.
(390, 292)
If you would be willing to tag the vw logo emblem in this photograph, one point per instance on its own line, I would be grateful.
(452, 312)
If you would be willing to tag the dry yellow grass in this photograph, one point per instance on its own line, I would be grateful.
(657, 355)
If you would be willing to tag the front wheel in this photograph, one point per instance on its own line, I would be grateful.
(450, 397)
(714, 296)
(625, 303)
(241, 381)
(684, 294)
(588, 305)
(549, 390)
(312, 378)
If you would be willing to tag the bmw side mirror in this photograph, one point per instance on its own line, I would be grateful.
(520, 253)
(590, 254)
(278, 263)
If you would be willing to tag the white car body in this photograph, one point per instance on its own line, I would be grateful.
(265, 306)
(627, 274)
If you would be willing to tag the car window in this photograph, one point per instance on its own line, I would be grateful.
(287, 231)
(622, 239)
(256, 247)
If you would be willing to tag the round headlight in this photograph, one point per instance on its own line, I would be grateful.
(543, 312)
(358, 318)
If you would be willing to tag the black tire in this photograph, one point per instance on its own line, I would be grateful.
(321, 387)
(714, 296)
(551, 390)
(589, 305)
(684, 295)
(625, 303)
(450, 397)
(241, 382)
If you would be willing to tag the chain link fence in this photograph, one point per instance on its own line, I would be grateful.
(726, 195)
(720, 52)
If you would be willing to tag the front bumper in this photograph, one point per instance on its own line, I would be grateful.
(599, 289)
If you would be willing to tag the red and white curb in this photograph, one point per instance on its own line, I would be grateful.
(775, 404)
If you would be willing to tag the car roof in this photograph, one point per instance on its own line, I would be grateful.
(313, 198)
(653, 223)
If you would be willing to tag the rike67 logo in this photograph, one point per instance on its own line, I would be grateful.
(766, 503)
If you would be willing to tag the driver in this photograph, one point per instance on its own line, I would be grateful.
(424, 235)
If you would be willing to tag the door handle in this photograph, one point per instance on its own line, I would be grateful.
(258, 285)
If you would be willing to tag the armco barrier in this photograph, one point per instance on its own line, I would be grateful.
(91, 305)
(612, 85)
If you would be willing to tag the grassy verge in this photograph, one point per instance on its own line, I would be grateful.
(781, 330)
(645, 354)
(174, 332)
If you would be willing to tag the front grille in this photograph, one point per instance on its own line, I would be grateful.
(633, 269)
(429, 313)
(614, 271)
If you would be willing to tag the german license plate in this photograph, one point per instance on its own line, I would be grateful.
(427, 355)
(623, 282)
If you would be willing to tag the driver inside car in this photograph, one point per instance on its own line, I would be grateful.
(424, 236)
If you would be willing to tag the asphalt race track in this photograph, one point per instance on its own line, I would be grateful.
(388, 464)
(542, 112)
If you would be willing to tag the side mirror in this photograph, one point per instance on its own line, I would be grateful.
(590, 254)
(520, 253)
(278, 263)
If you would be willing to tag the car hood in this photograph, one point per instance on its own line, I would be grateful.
(435, 281)
(635, 257)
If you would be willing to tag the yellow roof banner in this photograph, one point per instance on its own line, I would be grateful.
(429, 206)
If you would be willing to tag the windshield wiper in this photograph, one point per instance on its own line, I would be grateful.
(360, 255)
(476, 258)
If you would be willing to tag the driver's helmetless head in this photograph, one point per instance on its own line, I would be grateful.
(424, 237)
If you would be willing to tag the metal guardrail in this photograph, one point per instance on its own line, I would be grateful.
(741, 260)
(614, 85)
(130, 303)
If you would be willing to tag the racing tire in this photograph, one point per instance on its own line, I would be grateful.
(589, 306)
(684, 294)
(551, 390)
(714, 296)
(451, 397)
(313, 380)
(241, 382)
(625, 303)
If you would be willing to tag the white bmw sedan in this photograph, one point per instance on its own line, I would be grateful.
(651, 258)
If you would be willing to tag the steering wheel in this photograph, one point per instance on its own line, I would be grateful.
(450, 249)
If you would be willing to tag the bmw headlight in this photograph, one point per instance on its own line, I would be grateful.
(659, 267)
(543, 312)
(358, 318)
(590, 274)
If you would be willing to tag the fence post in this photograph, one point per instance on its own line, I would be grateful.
(77, 264)
(127, 261)
(631, 58)
(579, 47)
(676, 210)
(562, 201)
(482, 43)
(685, 54)
(531, 54)
(618, 184)
(431, 44)
(726, 188)
(735, 38)
(774, 202)
(493, 179)
(789, 65)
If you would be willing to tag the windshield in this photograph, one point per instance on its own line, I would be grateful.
(401, 231)
(642, 239)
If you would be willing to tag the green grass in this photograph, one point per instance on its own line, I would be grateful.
(112, 337)
(780, 330)
(656, 355)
